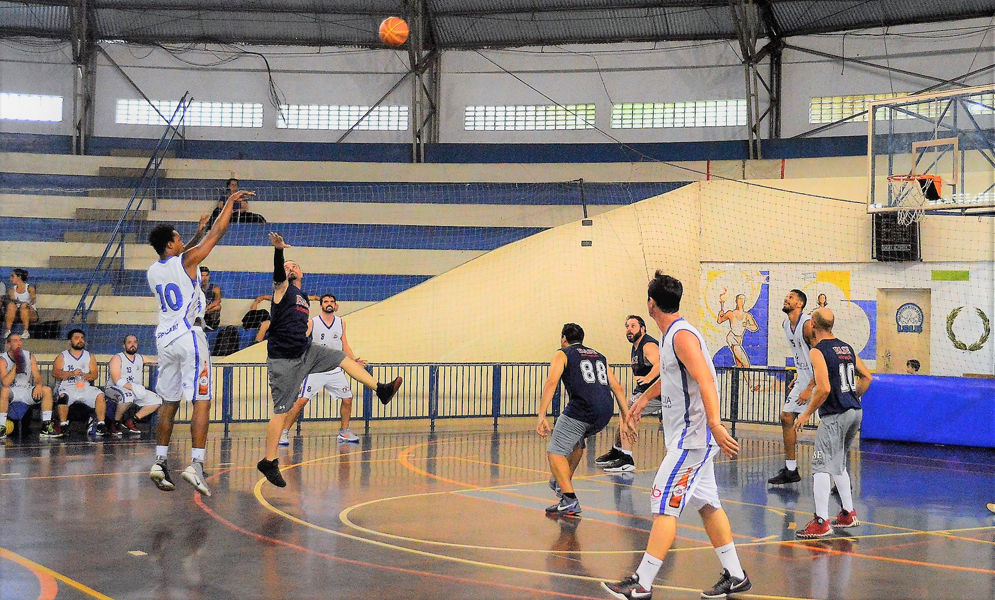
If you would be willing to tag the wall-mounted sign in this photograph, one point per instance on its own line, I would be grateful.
(909, 318)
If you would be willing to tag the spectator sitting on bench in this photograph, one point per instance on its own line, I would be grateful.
(76, 370)
(212, 294)
(18, 370)
(126, 373)
(240, 210)
(20, 302)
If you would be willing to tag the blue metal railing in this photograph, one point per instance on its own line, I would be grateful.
(126, 223)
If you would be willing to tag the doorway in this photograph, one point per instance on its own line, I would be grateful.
(903, 329)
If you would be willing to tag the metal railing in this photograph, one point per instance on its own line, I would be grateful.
(436, 391)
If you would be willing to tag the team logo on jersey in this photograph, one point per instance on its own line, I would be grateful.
(657, 492)
(909, 318)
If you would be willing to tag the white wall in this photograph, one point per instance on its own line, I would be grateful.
(637, 72)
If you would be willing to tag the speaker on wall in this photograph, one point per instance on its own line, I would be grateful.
(893, 241)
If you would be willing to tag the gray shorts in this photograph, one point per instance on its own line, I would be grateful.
(568, 433)
(833, 439)
(653, 407)
(287, 374)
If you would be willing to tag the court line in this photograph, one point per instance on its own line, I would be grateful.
(43, 572)
(48, 587)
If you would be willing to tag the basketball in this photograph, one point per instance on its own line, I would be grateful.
(394, 31)
(10, 426)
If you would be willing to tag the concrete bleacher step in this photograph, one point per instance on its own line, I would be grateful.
(94, 237)
(127, 172)
(139, 153)
(44, 347)
(74, 289)
(65, 315)
(83, 263)
(107, 214)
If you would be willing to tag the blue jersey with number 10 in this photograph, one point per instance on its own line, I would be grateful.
(841, 362)
(179, 299)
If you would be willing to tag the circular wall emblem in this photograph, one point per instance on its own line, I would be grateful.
(961, 345)
(909, 318)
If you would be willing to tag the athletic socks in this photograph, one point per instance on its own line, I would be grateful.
(197, 455)
(792, 465)
(821, 491)
(648, 568)
(843, 487)
(3, 419)
(730, 560)
(625, 452)
(570, 496)
(46, 415)
(161, 452)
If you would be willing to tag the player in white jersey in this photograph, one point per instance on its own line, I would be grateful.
(76, 370)
(125, 378)
(800, 389)
(18, 371)
(184, 369)
(326, 330)
(694, 434)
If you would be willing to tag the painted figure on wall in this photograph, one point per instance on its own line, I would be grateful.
(821, 301)
(740, 322)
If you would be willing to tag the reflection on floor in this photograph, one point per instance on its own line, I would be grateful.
(459, 513)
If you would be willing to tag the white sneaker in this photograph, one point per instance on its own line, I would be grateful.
(346, 435)
(25, 335)
(285, 437)
(194, 475)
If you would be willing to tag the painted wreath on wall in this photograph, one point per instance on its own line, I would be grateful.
(961, 345)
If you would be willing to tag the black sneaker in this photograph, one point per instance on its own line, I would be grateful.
(386, 391)
(160, 476)
(628, 588)
(102, 430)
(49, 430)
(607, 457)
(727, 584)
(623, 464)
(785, 476)
(271, 469)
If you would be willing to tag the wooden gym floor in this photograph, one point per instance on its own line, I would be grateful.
(459, 514)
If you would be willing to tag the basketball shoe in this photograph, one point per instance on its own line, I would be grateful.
(727, 584)
(816, 528)
(160, 476)
(846, 519)
(628, 588)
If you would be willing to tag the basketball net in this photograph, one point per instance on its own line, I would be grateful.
(910, 196)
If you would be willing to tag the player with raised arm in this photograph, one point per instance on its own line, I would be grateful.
(327, 330)
(184, 367)
(590, 385)
(800, 389)
(841, 378)
(694, 435)
(291, 357)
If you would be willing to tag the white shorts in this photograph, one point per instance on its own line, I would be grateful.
(334, 382)
(23, 395)
(185, 368)
(86, 394)
(137, 395)
(791, 404)
(685, 476)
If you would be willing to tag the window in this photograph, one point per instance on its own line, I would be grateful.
(700, 113)
(829, 109)
(528, 117)
(199, 114)
(30, 107)
(319, 116)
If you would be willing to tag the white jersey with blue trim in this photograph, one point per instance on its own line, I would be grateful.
(132, 371)
(180, 298)
(21, 380)
(72, 363)
(329, 336)
(684, 422)
(800, 349)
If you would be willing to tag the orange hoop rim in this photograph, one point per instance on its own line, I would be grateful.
(915, 177)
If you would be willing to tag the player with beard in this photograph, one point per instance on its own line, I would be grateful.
(126, 372)
(291, 357)
(800, 389)
(76, 369)
(18, 370)
(329, 331)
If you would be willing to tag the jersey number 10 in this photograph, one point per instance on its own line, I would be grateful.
(848, 379)
(587, 371)
(170, 297)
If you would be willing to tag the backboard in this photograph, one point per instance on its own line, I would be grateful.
(949, 136)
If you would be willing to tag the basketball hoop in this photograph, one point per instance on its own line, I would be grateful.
(911, 193)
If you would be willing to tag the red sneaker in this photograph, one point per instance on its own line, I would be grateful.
(816, 528)
(846, 519)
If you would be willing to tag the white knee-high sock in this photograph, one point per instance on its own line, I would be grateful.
(730, 560)
(648, 568)
(843, 487)
(821, 489)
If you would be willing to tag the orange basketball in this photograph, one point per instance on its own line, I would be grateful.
(394, 31)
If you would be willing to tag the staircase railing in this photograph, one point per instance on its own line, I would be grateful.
(115, 248)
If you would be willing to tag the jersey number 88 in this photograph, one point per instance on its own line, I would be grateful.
(587, 371)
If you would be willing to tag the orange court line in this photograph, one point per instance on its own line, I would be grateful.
(904, 561)
(47, 577)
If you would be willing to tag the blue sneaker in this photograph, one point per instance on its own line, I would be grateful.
(346, 435)
(555, 486)
(565, 507)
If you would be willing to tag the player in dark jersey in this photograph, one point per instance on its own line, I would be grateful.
(645, 360)
(841, 378)
(590, 384)
(290, 357)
